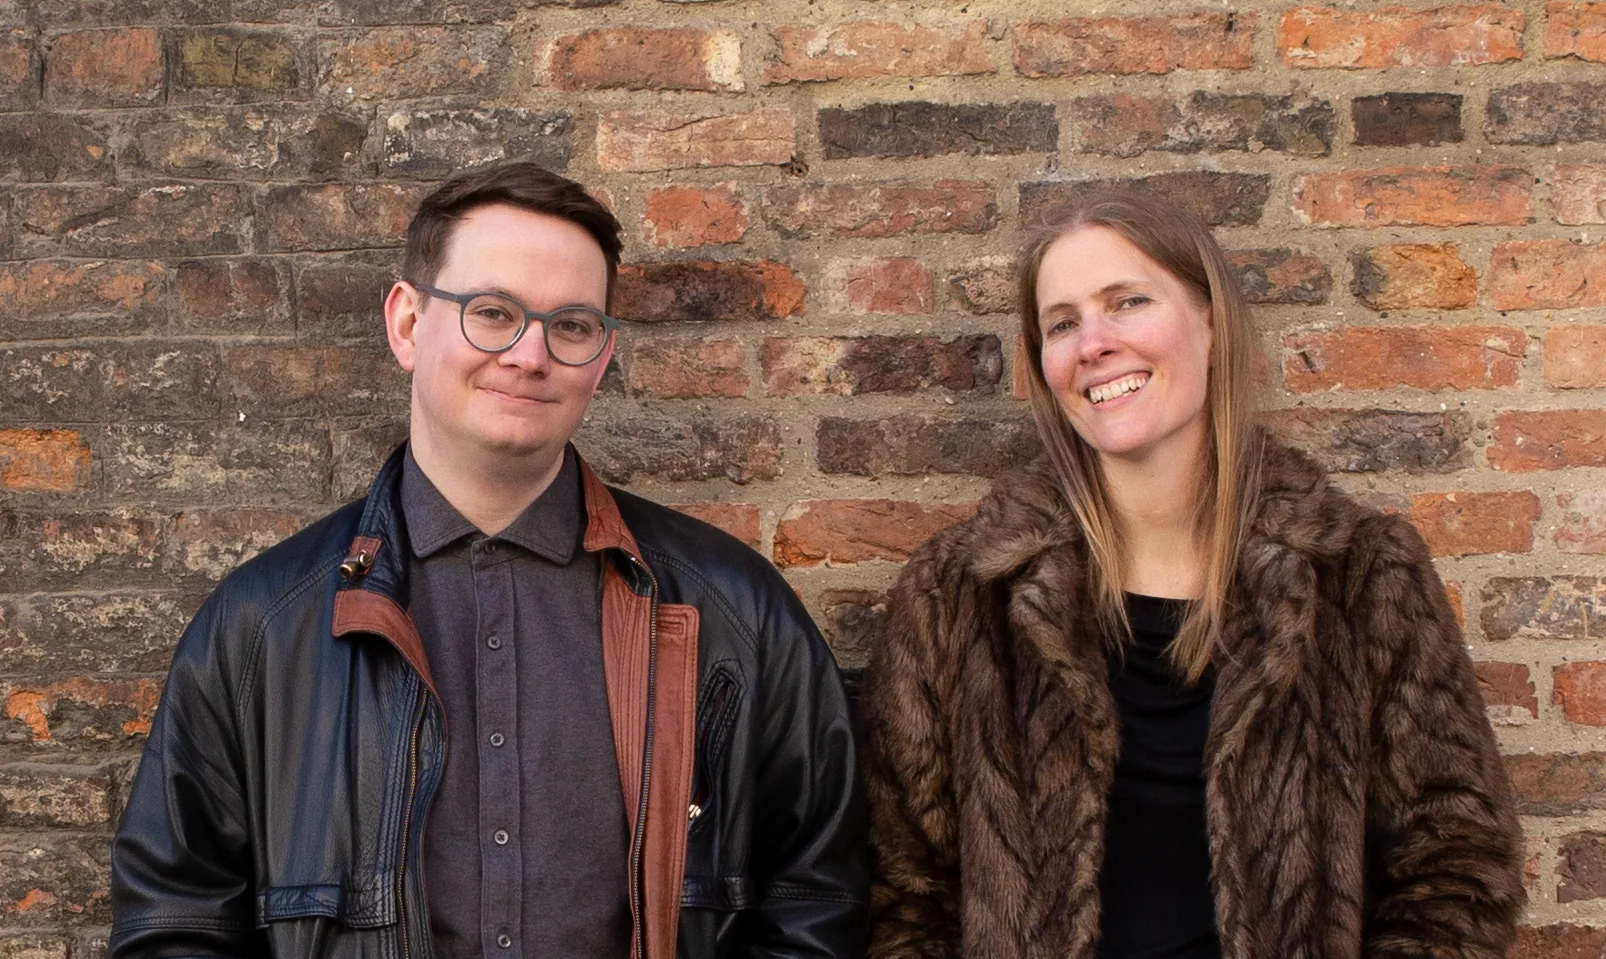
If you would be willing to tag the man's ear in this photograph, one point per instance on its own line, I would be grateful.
(402, 304)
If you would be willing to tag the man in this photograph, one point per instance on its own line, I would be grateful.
(498, 708)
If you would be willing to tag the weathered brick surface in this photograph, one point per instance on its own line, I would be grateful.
(1125, 125)
(202, 203)
(1583, 867)
(1124, 45)
(46, 880)
(1407, 119)
(1315, 37)
(922, 129)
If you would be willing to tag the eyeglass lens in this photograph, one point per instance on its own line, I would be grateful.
(573, 336)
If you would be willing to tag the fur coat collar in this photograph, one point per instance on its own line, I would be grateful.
(1355, 800)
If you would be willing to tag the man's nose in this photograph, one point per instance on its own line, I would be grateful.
(530, 351)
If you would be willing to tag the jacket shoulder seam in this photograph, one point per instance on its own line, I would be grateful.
(716, 595)
(259, 634)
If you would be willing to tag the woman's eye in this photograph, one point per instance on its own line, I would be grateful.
(1061, 326)
(1127, 302)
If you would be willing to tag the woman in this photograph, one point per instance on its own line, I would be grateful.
(1169, 693)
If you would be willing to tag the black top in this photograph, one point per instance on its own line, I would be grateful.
(1155, 881)
(525, 849)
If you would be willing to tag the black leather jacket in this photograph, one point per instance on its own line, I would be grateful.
(279, 806)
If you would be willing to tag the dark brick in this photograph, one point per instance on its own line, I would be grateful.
(336, 216)
(249, 297)
(1126, 126)
(341, 298)
(921, 129)
(21, 71)
(1541, 114)
(985, 286)
(433, 144)
(50, 794)
(82, 550)
(119, 382)
(1562, 607)
(704, 290)
(276, 382)
(251, 143)
(846, 366)
(1373, 441)
(1407, 119)
(917, 444)
(53, 880)
(869, 210)
(409, 62)
(66, 13)
(35, 946)
(130, 632)
(1558, 784)
(1220, 199)
(358, 454)
(369, 13)
(8, 236)
(1560, 941)
(46, 147)
(683, 448)
(65, 299)
(1282, 276)
(853, 622)
(232, 65)
(1583, 867)
(206, 544)
(164, 220)
(257, 462)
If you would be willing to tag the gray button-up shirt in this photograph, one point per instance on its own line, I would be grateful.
(525, 850)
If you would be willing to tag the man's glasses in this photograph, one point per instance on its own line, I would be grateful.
(491, 322)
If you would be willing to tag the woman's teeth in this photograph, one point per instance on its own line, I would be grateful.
(1120, 387)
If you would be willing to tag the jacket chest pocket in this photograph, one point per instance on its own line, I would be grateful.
(717, 705)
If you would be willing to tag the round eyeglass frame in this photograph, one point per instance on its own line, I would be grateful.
(609, 324)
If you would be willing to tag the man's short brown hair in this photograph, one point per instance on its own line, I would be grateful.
(520, 184)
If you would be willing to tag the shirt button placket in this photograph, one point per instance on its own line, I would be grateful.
(501, 857)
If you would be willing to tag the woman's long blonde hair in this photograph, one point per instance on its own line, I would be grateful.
(1181, 244)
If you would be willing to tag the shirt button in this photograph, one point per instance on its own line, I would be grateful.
(496, 739)
(495, 642)
(504, 940)
(500, 837)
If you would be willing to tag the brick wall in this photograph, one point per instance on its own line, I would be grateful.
(200, 202)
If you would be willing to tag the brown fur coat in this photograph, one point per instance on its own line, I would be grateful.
(1355, 800)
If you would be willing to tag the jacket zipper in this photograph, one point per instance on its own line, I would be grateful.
(639, 841)
(407, 824)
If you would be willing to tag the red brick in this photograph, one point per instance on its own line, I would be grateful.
(636, 58)
(1121, 124)
(888, 285)
(19, 71)
(337, 216)
(81, 708)
(1427, 358)
(1547, 274)
(1559, 608)
(249, 296)
(859, 530)
(1583, 867)
(1575, 357)
(1217, 198)
(1448, 36)
(1581, 692)
(641, 142)
(1558, 784)
(985, 286)
(687, 216)
(874, 210)
(1548, 440)
(848, 366)
(1282, 276)
(741, 520)
(43, 460)
(863, 49)
(1561, 941)
(1458, 606)
(689, 368)
(707, 290)
(1578, 192)
(36, 794)
(919, 444)
(1508, 693)
(1583, 521)
(105, 68)
(1409, 196)
(58, 300)
(1126, 45)
(399, 63)
(1413, 276)
(1576, 30)
(1468, 524)
(149, 220)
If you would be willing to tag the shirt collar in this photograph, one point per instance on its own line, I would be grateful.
(550, 527)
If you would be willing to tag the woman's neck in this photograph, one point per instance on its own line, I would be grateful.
(1156, 501)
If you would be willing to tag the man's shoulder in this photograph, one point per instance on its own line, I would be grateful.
(316, 550)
